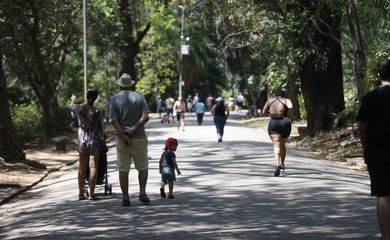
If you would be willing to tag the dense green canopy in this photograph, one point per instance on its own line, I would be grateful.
(312, 49)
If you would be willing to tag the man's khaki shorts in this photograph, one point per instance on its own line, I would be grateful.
(137, 152)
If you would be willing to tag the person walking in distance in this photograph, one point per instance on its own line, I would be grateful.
(279, 127)
(200, 109)
(190, 104)
(90, 139)
(167, 167)
(196, 99)
(239, 101)
(210, 102)
(221, 113)
(169, 102)
(129, 113)
(158, 106)
(180, 109)
(374, 130)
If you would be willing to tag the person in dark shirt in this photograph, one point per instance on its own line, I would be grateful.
(167, 167)
(374, 130)
(221, 113)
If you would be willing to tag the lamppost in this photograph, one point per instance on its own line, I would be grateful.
(85, 47)
(184, 49)
(181, 43)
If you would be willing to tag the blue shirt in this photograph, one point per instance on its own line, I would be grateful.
(199, 107)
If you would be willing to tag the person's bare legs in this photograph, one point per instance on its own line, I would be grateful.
(162, 189)
(93, 165)
(182, 125)
(178, 125)
(170, 194)
(171, 187)
(124, 183)
(143, 179)
(283, 150)
(83, 161)
(383, 209)
(277, 141)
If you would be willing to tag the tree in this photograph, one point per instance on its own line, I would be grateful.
(157, 78)
(10, 150)
(133, 32)
(358, 48)
(321, 73)
(38, 35)
(204, 68)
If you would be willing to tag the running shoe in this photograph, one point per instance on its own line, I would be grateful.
(162, 193)
(283, 170)
(277, 171)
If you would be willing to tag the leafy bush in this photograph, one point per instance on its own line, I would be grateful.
(65, 122)
(347, 117)
(28, 121)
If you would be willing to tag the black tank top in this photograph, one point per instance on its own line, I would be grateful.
(220, 110)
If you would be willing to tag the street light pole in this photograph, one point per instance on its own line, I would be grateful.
(181, 55)
(107, 92)
(85, 48)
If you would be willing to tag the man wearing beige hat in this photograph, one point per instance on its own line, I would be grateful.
(129, 113)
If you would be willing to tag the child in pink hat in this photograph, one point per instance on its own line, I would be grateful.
(167, 167)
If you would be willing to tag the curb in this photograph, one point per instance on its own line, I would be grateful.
(26, 188)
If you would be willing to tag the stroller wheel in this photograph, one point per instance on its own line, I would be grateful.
(86, 192)
(105, 189)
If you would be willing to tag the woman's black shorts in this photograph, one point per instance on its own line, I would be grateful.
(380, 179)
(279, 125)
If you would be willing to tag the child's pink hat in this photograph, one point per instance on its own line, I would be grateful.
(170, 142)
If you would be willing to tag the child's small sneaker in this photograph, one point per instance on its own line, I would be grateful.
(162, 193)
(170, 196)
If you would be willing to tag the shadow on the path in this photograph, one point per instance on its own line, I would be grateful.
(227, 191)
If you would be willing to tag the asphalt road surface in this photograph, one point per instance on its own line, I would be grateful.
(226, 191)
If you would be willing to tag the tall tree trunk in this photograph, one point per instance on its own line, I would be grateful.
(322, 74)
(358, 49)
(292, 93)
(10, 149)
(130, 43)
(50, 113)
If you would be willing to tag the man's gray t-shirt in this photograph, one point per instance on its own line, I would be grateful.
(127, 107)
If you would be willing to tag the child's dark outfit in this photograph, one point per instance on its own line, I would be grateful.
(167, 168)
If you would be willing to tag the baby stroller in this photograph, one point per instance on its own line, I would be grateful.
(165, 119)
(102, 176)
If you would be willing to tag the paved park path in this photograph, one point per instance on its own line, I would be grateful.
(227, 191)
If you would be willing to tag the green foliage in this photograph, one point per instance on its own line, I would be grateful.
(374, 18)
(276, 77)
(235, 46)
(18, 92)
(301, 102)
(157, 59)
(35, 38)
(347, 117)
(28, 120)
